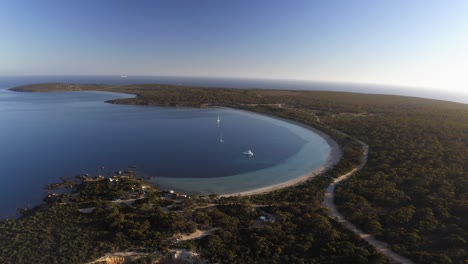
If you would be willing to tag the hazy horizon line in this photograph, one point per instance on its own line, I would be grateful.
(318, 81)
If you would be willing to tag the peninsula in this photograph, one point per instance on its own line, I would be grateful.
(410, 190)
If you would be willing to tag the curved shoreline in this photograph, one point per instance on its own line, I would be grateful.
(333, 158)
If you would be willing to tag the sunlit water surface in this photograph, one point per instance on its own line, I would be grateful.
(45, 136)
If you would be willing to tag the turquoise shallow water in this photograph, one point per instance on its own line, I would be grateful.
(312, 155)
(45, 136)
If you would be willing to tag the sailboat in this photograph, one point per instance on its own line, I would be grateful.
(218, 120)
(221, 139)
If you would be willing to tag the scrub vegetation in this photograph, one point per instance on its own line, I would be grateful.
(412, 193)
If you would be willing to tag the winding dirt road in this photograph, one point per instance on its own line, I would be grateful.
(333, 213)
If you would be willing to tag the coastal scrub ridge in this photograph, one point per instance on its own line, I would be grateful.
(412, 193)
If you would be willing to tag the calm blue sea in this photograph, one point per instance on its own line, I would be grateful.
(45, 136)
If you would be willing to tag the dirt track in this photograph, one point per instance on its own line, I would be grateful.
(333, 213)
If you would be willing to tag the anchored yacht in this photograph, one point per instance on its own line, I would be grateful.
(248, 153)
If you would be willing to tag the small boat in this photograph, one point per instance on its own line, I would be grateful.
(218, 120)
(221, 139)
(248, 153)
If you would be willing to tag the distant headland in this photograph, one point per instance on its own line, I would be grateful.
(406, 189)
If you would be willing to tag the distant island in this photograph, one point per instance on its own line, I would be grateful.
(411, 193)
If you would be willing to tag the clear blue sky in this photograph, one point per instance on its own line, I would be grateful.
(417, 43)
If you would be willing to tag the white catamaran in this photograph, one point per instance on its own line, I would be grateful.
(248, 153)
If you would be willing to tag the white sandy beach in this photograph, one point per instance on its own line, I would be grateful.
(333, 158)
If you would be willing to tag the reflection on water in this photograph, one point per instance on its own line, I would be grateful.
(45, 136)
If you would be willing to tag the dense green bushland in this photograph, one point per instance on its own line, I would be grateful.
(300, 232)
(57, 232)
(412, 193)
